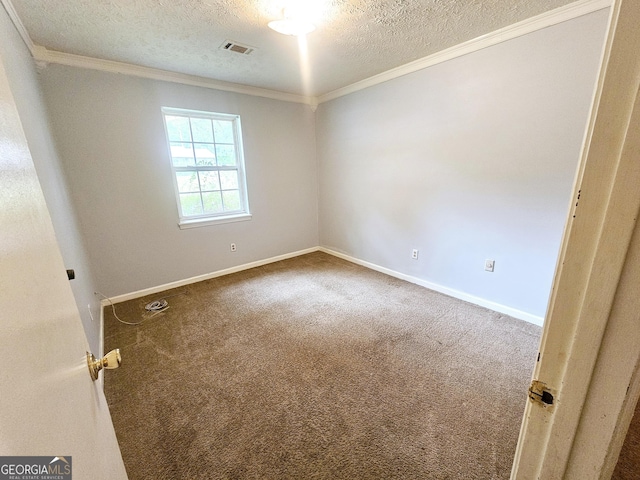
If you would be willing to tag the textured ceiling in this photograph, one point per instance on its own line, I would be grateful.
(354, 39)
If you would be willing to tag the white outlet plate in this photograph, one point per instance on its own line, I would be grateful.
(489, 265)
(233, 247)
(414, 254)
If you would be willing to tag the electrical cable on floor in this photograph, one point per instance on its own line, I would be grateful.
(113, 307)
(156, 305)
(152, 308)
(155, 308)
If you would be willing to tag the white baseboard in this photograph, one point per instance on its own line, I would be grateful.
(188, 281)
(496, 307)
(527, 317)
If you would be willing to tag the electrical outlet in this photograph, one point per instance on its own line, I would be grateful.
(414, 253)
(233, 247)
(489, 265)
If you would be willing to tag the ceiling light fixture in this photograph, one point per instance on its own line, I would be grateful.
(292, 25)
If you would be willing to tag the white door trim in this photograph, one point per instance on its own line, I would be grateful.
(594, 252)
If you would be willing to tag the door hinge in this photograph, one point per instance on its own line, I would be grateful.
(539, 393)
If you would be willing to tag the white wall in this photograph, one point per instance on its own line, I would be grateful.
(110, 135)
(24, 83)
(468, 160)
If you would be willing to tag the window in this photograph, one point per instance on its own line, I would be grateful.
(208, 166)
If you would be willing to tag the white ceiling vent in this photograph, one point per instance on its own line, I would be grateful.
(237, 47)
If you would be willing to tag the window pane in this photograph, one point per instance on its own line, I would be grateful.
(229, 180)
(182, 154)
(190, 204)
(223, 130)
(226, 155)
(187, 182)
(205, 154)
(209, 181)
(206, 161)
(212, 202)
(231, 200)
(178, 129)
(201, 130)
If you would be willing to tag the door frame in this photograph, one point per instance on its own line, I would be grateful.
(589, 312)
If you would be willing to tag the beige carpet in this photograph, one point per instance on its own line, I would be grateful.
(628, 466)
(315, 368)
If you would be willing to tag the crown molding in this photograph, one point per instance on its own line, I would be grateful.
(42, 54)
(547, 19)
(22, 31)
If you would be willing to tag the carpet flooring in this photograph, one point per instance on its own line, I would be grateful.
(628, 466)
(316, 368)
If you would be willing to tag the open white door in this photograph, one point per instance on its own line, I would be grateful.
(49, 406)
(591, 341)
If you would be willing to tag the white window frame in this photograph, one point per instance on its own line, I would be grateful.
(200, 220)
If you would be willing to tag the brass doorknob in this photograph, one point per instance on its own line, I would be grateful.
(110, 361)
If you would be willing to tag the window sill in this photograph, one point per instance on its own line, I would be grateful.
(205, 222)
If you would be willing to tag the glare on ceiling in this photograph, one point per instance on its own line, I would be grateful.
(296, 20)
